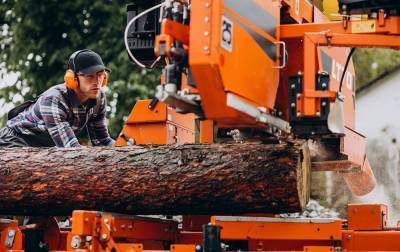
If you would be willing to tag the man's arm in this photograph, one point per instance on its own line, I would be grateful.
(97, 126)
(54, 113)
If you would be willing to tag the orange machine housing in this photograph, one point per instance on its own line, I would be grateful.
(163, 125)
(158, 125)
(243, 61)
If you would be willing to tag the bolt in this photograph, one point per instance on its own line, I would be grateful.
(324, 85)
(89, 238)
(298, 95)
(293, 86)
(75, 241)
(206, 34)
(318, 114)
(348, 236)
(11, 233)
(123, 226)
(105, 221)
(104, 236)
(206, 19)
(207, 5)
(298, 114)
(293, 104)
(323, 104)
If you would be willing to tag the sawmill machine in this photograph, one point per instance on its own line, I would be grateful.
(277, 69)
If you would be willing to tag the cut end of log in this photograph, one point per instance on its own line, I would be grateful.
(304, 176)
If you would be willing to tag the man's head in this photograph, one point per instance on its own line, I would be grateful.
(86, 74)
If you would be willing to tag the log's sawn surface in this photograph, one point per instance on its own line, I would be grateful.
(167, 179)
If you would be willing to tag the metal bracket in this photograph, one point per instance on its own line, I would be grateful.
(235, 102)
(10, 238)
(284, 54)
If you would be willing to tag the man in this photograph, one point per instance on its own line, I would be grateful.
(64, 110)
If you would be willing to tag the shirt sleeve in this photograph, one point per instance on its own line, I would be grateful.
(54, 113)
(97, 126)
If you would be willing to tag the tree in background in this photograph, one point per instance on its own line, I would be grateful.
(36, 39)
(373, 63)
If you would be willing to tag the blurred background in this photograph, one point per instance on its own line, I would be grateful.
(36, 39)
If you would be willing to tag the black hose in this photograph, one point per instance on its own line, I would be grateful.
(345, 67)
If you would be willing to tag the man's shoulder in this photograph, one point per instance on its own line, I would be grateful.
(59, 90)
(56, 94)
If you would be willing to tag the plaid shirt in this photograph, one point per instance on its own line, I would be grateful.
(59, 114)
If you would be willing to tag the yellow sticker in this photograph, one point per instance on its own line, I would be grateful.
(363, 26)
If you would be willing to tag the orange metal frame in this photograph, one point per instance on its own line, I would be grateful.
(365, 230)
(334, 34)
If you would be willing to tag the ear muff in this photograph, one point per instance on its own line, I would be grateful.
(105, 79)
(70, 79)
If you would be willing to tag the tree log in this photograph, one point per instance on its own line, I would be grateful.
(167, 179)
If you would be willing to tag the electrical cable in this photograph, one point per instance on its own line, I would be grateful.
(127, 29)
(345, 68)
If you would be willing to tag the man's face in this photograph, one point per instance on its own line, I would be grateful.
(90, 84)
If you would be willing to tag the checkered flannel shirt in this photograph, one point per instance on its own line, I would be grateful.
(59, 113)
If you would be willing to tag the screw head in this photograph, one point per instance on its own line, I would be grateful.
(11, 233)
(75, 241)
(104, 236)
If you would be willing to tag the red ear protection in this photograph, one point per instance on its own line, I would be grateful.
(70, 79)
(105, 80)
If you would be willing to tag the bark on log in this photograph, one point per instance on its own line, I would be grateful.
(177, 179)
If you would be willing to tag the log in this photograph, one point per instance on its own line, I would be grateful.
(167, 179)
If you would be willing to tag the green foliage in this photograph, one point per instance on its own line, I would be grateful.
(370, 63)
(37, 37)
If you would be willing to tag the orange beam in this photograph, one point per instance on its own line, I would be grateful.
(391, 26)
(354, 40)
(207, 131)
(177, 30)
(264, 228)
(371, 240)
(310, 99)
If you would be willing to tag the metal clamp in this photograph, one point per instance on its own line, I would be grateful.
(284, 54)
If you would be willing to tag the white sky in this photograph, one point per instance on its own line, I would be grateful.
(378, 107)
(5, 80)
